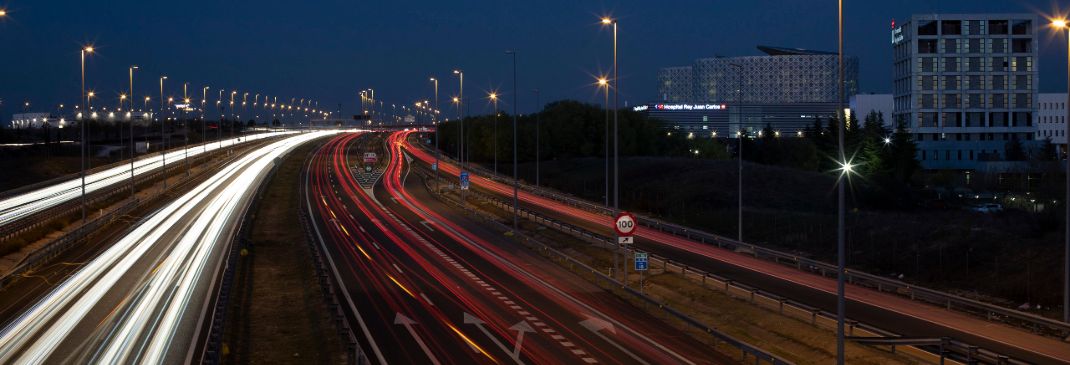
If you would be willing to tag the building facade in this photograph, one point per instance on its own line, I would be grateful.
(965, 85)
(786, 89)
(1051, 118)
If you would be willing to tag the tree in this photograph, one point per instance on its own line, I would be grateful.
(1013, 151)
(1047, 151)
(903, 153)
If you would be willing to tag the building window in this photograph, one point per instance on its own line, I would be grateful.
(951, 64)
(999, 45)
(997, 27)
(927, 27)
(923, 155)
(997, 119)
(960, 155)
(999, 64)
(973, 45)
(951, 45)
(926, 46)
(1022, 45)
(951, 27)
(998, 101)
(1022, 27)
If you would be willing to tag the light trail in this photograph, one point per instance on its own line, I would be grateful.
(139, 299)
(26, 204)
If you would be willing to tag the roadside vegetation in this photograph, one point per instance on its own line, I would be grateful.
(902, 222)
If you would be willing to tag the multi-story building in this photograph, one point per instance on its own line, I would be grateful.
(1051, 118)
(965, 85)
(786, 89)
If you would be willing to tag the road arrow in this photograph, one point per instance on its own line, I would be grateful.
(597, 325)
(520, 329)
(408, 322)
(470, 319)
(428, 225)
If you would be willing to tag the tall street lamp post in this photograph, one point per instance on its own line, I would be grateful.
(437, 127)
(516, 179)
(163, 138)
(494, 99)
(616, 134)
(841, 260)
(1061, 24)
(603, 83)
(84, 145)
(132, 149)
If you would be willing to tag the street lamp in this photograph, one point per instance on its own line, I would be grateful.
(538, 124)
(616, 134)
(841, 234)
(132, 149)
(1061, 24)
(460, 116)
(494, 99)
(516, 179)
(84, 145)
(603, 83)
(163, 138)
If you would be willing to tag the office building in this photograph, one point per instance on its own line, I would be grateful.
(965, 84)
(786, 89)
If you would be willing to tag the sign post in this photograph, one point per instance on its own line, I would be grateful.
(464, 180)
(624, 225)
(641, 265)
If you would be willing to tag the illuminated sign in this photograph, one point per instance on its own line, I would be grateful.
(676, 107)
(897, 35)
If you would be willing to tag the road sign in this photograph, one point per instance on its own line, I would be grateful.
(434, 166)
(370, 157)
(625, 224)
(625, 240)
(641, 263)
(464, 180)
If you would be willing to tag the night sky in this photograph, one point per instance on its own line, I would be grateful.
(328, 50)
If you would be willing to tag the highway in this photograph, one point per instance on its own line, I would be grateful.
(145, 298)
(426, 284)
(26, 204)
(883, 310)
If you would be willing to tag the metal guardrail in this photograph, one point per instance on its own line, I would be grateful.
(1035, 323)
(951, 349)
(354, 353)
(747, 350)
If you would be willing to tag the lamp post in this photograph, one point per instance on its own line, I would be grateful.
(437, 127)
(132, 150)
(841, 260)
(84, 145)
(603, 83)
(163, 138)
(741, 134)
(538, 125)
(1061, 24)
(204, 125)
(516, 179)
(494, 99)
(616, 134)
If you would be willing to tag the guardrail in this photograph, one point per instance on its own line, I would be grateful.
(949, 349)
(1035, 323)
(747, 350)
(354, 353)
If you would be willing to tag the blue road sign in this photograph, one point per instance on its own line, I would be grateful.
(464, 180)
(641, 262)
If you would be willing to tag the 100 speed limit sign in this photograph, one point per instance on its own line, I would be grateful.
(625, 224)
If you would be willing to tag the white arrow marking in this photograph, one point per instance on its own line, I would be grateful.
(427, 299)
(399, 269)
(596, 325)
(408, 322)
(470, 319)
(520, 329)
(428, 225)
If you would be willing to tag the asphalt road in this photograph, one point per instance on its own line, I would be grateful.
(144, 299)
(883, 310)
(428, 285)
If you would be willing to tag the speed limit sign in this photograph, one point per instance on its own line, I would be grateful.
(625, 224)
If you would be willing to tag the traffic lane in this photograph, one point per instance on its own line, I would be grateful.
(474, 309)
(569, 315)
(82, 341)
(899, 323)
(1005, 340)
(593, 295)
(375, 300)
(439, 336)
